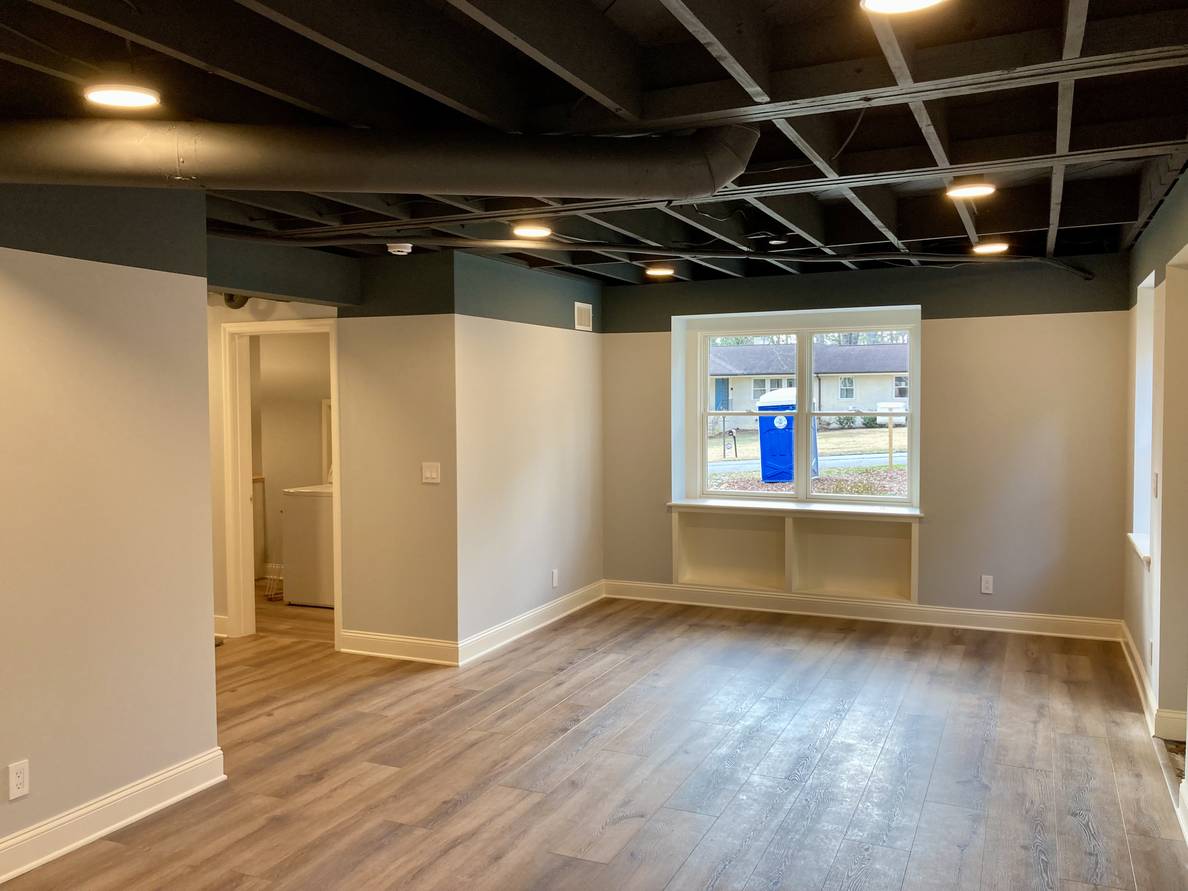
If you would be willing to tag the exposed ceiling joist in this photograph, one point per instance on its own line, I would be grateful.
(818, 141)
(412, 43)
(800, 215)
(934, 135)
(294, 204)
(222, 40)
(574, 41)
(1076, 16)
(942, 72)
(1158, 177)
(736, 34)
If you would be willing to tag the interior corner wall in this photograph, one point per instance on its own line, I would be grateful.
(105, 539)
(399, 536)
(1023, 439)
(1169, 527)
(217, 312)
(529, 414)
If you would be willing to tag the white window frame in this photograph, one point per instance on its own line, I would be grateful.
(690, 410)
(756, 383)
(842, 387)
(907, 386)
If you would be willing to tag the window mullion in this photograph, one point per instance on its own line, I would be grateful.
(803, 414)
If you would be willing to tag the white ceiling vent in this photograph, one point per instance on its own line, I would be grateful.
(583, 316)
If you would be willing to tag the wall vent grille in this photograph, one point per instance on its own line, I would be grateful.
(583, 316)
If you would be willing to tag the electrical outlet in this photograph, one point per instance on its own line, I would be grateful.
(987, 584)
(554, 578)
(18, 780)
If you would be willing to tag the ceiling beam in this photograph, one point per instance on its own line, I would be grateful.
(609, 209)
(934, 135)
(573, 40)
(800, 215)
(1076, 16)
(1158, 177)
(294, 204)
(818, 141)
(736, 34)
(1122, 46)
(412, 43)
(224, 40)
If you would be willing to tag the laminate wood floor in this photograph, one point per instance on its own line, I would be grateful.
(637, 745)
(275, 618)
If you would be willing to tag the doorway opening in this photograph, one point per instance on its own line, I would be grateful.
(283, 519)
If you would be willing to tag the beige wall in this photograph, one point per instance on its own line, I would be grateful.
(256, 310)
(1022, 461)
(294, 379)
(105, 646)
(529, 466)
(399, 536)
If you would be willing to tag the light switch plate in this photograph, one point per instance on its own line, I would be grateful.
(430, 472)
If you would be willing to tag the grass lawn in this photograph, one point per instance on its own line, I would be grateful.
(855, 441)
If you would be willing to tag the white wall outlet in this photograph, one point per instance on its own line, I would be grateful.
(18, 780)
(430, 472)
(987, 584)
(554, 578)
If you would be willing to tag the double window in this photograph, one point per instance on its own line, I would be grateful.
(829, 439)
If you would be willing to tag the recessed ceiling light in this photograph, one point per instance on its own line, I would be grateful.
(660, 270)
(775, 242)
(531, 230)
(893, 7)
(970, 190)
(122, 95)
(991, 247)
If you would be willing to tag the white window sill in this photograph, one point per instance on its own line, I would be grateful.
(1141, 542)
(802, 508)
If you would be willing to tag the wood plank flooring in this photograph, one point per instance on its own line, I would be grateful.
(276, 618)
(650, 746)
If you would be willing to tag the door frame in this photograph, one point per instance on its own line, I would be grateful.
(237, 466)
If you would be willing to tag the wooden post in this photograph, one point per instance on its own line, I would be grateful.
(890, 442)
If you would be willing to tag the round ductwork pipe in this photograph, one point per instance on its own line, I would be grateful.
(157, 154)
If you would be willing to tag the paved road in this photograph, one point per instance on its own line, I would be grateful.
(824, 462)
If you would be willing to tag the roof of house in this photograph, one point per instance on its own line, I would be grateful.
(886, 358)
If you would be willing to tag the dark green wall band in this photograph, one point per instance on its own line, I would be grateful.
(146, 228)
(962, 292)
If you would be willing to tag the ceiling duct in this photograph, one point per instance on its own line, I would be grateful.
(174, 154)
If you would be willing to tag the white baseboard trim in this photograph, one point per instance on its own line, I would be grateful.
(222, 626)
(453, 652)
(49, 839)
(1165, 723)
(396, 646)
(870, 610)
(505, 632)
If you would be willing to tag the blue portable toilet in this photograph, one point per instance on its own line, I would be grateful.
(777, 439)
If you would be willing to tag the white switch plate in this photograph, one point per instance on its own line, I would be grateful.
(18, 780)
(554, 578)
(430, 472)
(987, 584)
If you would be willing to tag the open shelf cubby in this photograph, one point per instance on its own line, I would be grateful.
(797, 550)
(730, 550)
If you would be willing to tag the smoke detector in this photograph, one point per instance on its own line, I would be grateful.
(400, 248)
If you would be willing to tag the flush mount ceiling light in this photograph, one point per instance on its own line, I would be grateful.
(660, 270)
(122, 95)
(991, 247)
(529, 229)
(894, 7)
(776, 242)
(971, 189)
